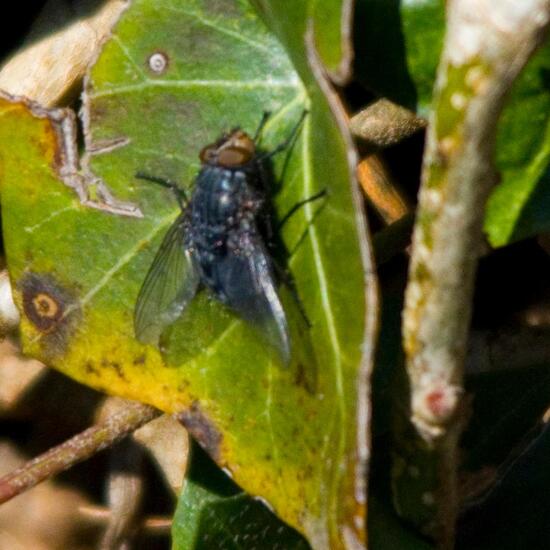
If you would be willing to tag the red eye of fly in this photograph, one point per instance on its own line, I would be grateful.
(234, 156)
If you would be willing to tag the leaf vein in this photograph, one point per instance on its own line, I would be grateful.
(222, 29)
(326, 305)
(125, 259)
(44, 221)
(129, 57)
(268, 83)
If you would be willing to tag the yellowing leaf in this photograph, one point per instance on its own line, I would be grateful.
(174, 76)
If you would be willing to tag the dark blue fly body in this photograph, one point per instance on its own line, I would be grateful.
(216, 242)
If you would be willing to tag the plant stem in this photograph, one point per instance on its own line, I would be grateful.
(486, 46)
(76, 449)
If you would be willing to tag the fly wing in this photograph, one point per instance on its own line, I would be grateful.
(169, 286)
(249, 289)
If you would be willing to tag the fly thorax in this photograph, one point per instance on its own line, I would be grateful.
(228, 205)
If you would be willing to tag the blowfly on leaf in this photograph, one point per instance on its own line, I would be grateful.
(216, 242)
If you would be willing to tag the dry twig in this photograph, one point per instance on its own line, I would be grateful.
(76, 449)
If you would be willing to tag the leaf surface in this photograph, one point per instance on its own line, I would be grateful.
(214, 513)
(173, 76)
(331, 23)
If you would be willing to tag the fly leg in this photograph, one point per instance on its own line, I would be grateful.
(180, 194)
(270, 232)
(257, 133)
(267, 218)
(288, 140)
(299, 205)
(282, 273)
(266, 177)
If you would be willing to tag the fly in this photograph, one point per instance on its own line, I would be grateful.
(216, 242)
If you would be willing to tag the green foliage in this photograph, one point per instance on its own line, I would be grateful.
(397, 55)
(173, 76)
(214, 513)
(328, 21)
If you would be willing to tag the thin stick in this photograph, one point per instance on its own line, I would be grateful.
(150, 524)
(168, 184)
(76, 449)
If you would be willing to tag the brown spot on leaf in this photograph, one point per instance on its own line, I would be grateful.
(43, 302)
(90, 368)
(51, 308)
(116, 367)
(46, 143)
(46, 307)
(202, 430)
(118, 370)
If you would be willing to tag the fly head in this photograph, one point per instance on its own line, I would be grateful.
(233, 150)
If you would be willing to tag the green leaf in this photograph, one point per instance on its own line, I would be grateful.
(519, 207)
(214, 513)
(173, 76)
(398, 49)
(330, 22)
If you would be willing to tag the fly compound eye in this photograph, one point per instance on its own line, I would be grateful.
(234, 156)
(241, 140)
(238, 150)
(208, 154)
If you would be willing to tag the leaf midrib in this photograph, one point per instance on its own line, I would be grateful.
(331, 325)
